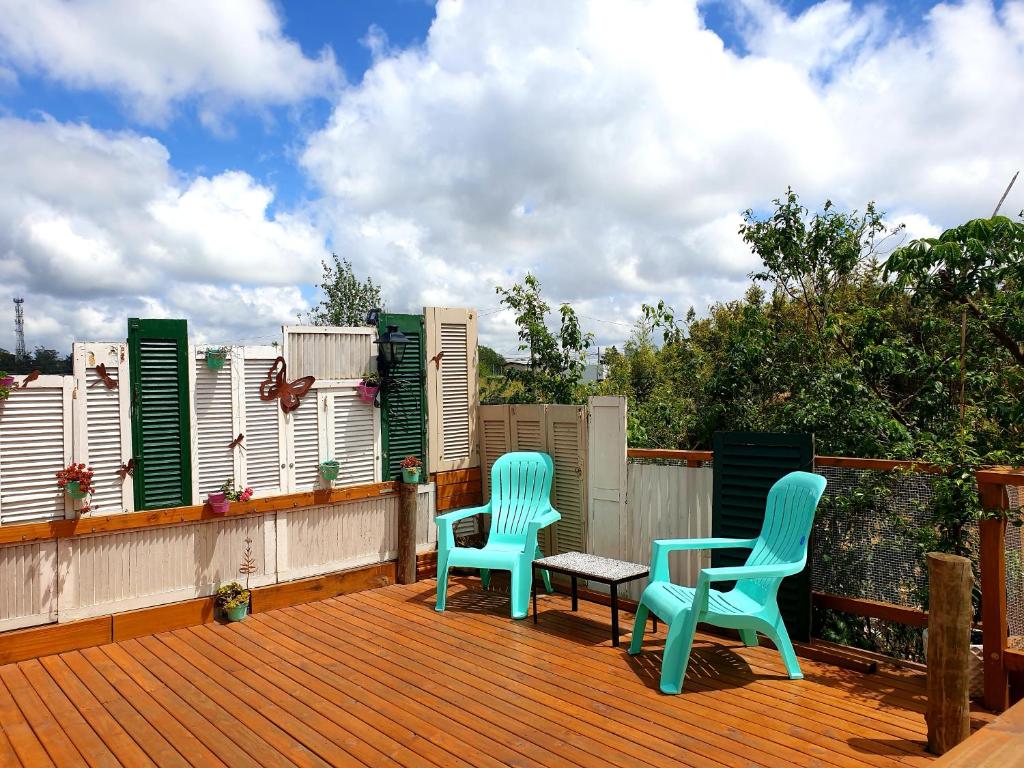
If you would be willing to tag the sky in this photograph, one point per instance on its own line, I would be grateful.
(199, 160)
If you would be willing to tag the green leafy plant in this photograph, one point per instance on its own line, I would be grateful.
(556, 358)
(232, 595)
(6, 385)
(371, 378)
(347, 299)
(235, 494)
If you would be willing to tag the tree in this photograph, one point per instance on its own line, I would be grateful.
(556, 358)
(347, 300)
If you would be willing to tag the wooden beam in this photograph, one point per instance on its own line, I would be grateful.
(670, 455)
(162, 618)
(62, 529)
(948, 708)
(406, 571)
(993, 611)
(877, 465)
(873, 609)
(22, 644)
(322, 587)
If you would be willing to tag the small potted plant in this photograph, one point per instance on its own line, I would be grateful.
(369, 387)
(411, 468)
(329, 470)
(215, 358)
(219, 501)
(6, 385)
(232, 598)
(76, 481)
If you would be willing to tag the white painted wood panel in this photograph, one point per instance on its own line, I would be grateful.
(102, 424)
(333, 537)
(28, 584)
(35, 444)
(667, 502)
(331, 354)
(606, 477)
(122, 571)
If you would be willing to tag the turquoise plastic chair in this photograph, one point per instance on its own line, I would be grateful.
(520, 506)
(779, 551)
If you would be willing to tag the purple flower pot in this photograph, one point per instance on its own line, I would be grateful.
(7, 381)
(367, 393)
(218, 502)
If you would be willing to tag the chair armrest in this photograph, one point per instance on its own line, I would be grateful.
(741, 572)
(661, 547)
(534, 526)
(445, 534)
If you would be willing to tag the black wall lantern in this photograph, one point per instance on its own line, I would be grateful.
(390, 350)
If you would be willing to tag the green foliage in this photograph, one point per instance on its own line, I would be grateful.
(491, 363)
(347, 299)
(231, 596)
(46, 361)
(556, 358)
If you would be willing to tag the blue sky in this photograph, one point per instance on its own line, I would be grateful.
(188, 159)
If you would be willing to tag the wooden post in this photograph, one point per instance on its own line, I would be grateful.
(949, 649)
(993, 612)
(408, 493)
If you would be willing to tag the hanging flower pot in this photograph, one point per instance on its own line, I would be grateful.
(215, 358)
(74, 490)
(6, 385)
(329, 470)
(367, 393)
(219, 503)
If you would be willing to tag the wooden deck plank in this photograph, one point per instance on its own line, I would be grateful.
(379, 678)
(512, 660)
(667, 708)
(93, 748)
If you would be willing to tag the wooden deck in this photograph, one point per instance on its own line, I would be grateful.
(378, 678)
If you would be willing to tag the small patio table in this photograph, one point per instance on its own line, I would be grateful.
(580, 565)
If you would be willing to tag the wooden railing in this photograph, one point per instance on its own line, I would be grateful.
(1004, 666)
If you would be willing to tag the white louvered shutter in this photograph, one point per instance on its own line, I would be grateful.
(262, 455)
(215, 424)
(102, 423)
(35, 444)
(305, 443)
(353, 438)
(495, 440)
(567, 442)
(452, 387)
(526, 425)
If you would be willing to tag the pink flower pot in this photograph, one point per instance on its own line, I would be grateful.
(367, 393)
(218, 502)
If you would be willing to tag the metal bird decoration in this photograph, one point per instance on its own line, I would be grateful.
(29, 379)
(276, 386)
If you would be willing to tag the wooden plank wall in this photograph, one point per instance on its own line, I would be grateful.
(458, 488)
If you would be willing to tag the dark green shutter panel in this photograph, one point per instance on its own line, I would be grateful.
(746, 465)
(404, 405)
(158, 358)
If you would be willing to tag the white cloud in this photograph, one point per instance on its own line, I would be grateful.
(156, 54)
(610, 147)
(96, 226)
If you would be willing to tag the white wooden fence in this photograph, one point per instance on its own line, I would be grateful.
(92, 575)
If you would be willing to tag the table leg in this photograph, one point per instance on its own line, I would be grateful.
(575, 595)
(615, 614)
(533, 579)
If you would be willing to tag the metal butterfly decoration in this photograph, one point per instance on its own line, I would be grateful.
(276, 386)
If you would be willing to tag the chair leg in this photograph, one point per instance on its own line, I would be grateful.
(641, 622)
(442, 580)
(485, 577)
(749, 637)
(520, 590)
(677, 652)
(547, 576)
(781, 639)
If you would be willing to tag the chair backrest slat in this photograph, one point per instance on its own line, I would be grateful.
(520, 492)
(788, 517)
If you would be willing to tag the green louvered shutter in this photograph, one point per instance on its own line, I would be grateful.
(746, 465)
(404, 407)
(158, 358)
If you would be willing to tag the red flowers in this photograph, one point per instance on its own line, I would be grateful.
(76, 473)
(236, 494)
(411, 462)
